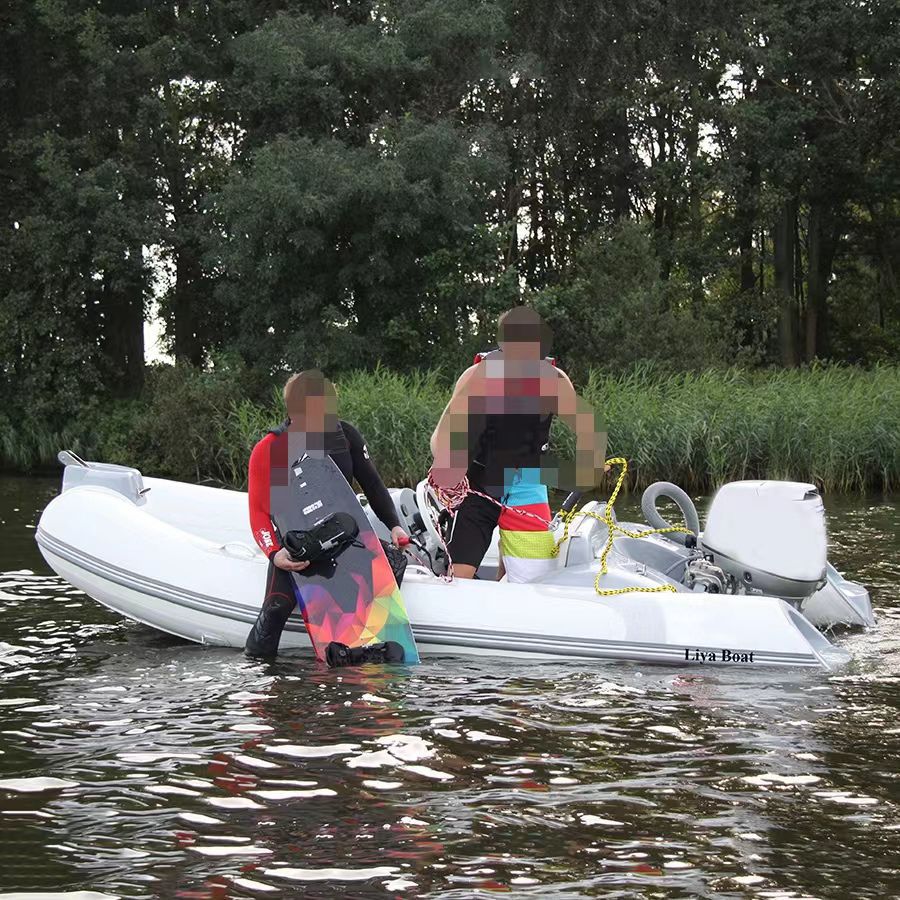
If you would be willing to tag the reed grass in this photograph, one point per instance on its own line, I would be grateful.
(837, 427)
(29, 445)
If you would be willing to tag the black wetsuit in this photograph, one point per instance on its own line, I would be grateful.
(349, 453)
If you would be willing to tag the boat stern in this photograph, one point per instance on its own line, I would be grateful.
(839, 602)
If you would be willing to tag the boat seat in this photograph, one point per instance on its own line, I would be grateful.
(405, 504)
(655, 553)
(404, 500)
(586, 536)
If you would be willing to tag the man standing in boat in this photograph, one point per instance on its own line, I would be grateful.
(491, 441)
(312, 427)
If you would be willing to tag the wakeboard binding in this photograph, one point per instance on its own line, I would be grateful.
(337, 654)
(324, 541)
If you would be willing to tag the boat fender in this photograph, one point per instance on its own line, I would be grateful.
(682, 501)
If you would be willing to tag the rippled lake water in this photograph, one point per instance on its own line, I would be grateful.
(137, 765)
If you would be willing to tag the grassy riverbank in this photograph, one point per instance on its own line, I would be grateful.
(838, 427)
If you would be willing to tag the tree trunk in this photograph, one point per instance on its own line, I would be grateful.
(512, 195)
(783, 240)
(187, 282)
(188, 271)
(748, 207)
(122, 305)
(621, 198)
(532, 263)
(799, 299)
(821, 244)
(761, 281)
(132, 324)
(886, 242)
(744, 315)
(695, 224)
(747, 272)
(662, 213)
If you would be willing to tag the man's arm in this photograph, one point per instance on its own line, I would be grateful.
(450, 440)
(590, 438)
(258, 486)
(457, 403)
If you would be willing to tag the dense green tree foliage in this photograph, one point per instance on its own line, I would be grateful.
(344, 183)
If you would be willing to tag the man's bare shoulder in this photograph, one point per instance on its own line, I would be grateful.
(468, 377)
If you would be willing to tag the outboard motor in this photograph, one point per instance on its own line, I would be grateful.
(769, 536)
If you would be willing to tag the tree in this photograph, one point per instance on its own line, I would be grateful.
(355, 170)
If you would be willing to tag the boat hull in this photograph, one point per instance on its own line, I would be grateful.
(210, 591)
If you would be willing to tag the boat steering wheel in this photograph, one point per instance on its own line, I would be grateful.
(430, 508)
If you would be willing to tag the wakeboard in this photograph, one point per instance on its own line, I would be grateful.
(353, 598)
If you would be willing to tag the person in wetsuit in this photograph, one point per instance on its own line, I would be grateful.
(497, 427)
(312, 427)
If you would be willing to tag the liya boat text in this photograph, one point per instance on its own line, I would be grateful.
(695, 654)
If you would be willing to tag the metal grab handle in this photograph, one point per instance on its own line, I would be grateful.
(567, 507)
(70, 458)
(245, 551)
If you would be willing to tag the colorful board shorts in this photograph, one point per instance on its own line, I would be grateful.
(526, 544)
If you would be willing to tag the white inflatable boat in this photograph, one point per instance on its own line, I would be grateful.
(755, 591)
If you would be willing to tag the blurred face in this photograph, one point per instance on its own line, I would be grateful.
(523, 335)
(521, 350)
(311, 402)
(317, 408)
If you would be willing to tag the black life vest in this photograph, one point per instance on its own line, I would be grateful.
(498, 442)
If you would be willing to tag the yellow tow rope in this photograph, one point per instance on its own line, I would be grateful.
(613, 528)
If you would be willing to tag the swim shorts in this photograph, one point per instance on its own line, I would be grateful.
(526, 544)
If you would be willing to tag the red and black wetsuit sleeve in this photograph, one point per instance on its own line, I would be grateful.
(364, 471)
(258, 487)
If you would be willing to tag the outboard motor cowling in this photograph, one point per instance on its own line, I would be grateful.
(769, 536)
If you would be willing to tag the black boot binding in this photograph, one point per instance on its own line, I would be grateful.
(341, 655)
(325, 540)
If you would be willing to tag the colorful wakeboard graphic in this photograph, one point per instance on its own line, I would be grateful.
(354, 599)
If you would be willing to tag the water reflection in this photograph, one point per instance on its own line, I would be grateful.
(139, 766)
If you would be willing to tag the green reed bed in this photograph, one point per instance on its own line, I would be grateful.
(28, 445)
(838, 427)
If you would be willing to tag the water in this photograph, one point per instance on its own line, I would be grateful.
(157, 768)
